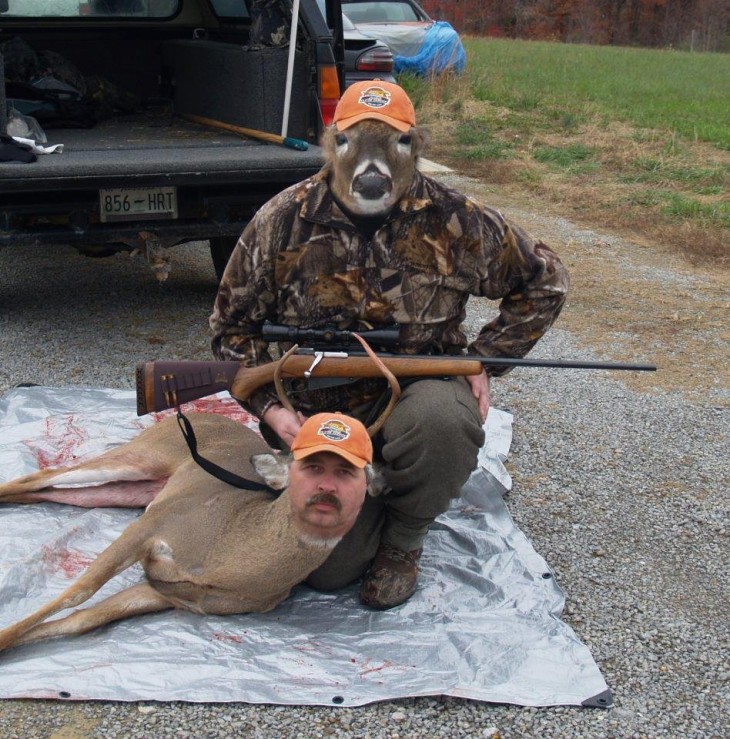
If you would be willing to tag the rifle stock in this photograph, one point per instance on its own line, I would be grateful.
(167, 384)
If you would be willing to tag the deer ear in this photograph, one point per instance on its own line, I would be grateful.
(273, 469)
(327, 141)
(376, 481)
(421, 139)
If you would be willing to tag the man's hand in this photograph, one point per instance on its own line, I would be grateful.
(480, 389)
(284, 423)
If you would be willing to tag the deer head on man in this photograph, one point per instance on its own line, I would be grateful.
(373, 148)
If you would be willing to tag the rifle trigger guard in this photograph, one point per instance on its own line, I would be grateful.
(317, 359)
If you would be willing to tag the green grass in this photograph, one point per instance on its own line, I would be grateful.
(702, 180)
(475, 141)
(686, 93)
(684, 208)
(563, 156)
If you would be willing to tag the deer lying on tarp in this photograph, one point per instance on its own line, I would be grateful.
(205, 545)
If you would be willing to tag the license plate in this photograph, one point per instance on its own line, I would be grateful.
(141, 203)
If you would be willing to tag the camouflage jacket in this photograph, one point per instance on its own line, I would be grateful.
(301, 262)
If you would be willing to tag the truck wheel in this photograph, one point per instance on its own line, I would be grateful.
(221, 249)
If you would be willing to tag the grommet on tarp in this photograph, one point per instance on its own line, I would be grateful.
(338, 699)
(600, 700)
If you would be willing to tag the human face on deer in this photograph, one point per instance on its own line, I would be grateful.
(326, 494)
(372, 165)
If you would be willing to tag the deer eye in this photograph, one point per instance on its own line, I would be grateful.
(405, 139)
(340, 139)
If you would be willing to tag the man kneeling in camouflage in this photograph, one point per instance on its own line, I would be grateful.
(369, 242)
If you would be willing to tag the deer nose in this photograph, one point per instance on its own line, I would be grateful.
(372, 184)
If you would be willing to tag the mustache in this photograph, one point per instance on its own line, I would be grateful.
(327, 499)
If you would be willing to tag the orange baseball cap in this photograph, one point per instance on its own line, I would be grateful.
(381, 101)
(336, 433)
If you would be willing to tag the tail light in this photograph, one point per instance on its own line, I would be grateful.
(379, 59)
(329, 92)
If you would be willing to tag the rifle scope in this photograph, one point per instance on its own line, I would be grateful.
(387, 338)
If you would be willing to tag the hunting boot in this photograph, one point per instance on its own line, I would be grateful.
(391, 579)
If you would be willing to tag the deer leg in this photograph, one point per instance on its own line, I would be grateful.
(134, 601)
(117, 557)
(129, 476)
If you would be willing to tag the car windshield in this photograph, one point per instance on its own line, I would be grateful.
(96, 8)
(376, 12)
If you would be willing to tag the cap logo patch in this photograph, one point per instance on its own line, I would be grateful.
(334, 430)
(375, 97)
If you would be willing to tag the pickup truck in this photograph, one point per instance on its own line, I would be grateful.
(138, 170)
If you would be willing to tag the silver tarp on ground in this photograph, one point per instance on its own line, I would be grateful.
(484, 623)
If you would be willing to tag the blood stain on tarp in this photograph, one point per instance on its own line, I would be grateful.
(366, 667)
(231, 638)
(68, 561)
(314, 646)
(60, 443)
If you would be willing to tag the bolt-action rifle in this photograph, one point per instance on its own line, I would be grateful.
(166, 384)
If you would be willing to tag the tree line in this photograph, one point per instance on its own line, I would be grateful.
(697, 25)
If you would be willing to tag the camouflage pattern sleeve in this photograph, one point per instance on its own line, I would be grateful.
(532, 283)
(244, 301)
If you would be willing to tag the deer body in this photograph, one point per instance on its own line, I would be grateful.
(205, 545)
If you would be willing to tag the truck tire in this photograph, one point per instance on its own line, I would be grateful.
(221, 248)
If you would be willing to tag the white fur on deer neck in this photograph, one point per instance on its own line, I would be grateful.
(372, 165)
(271, 554)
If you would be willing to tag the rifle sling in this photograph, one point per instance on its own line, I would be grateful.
(211, 467)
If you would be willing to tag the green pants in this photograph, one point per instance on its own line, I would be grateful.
(428, 448)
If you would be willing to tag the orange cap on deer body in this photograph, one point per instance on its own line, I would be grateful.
(376, 100)
(335, 433)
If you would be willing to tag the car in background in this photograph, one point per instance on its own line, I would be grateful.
(385, 11)
(365, 57)
(419, 44)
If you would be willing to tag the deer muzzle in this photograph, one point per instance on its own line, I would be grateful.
(372, 184)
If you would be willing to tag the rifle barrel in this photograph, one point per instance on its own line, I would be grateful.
(505, 361)
(330, 339)
(567, 364)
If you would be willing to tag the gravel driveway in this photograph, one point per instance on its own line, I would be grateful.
(622, 488)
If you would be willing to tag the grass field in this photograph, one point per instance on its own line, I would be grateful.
(633, 139)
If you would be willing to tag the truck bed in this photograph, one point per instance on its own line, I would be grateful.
(193, 154)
